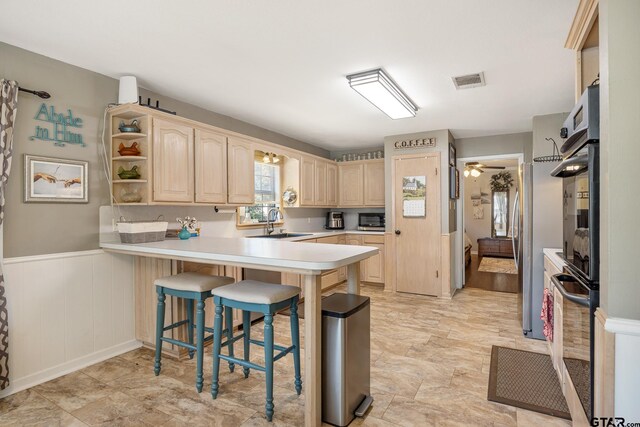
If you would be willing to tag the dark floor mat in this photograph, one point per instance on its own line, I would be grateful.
(526, 380)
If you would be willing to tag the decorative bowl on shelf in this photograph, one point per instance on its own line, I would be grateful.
(129, 128)
(130, 194)
(133, 150)
(129, 174)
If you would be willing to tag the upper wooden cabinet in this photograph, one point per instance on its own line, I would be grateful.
(374, 183)
(173, 162)
(361, 184)
(307, 181)
(584, 40)
(351, 184)
(332, 184)
(210, 167)
(241, 171)
(320, 183)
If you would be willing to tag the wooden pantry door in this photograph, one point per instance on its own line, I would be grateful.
(416, 223)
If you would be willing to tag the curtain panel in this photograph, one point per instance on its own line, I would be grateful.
(8, 109)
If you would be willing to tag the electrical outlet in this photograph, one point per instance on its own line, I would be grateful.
(308, 220)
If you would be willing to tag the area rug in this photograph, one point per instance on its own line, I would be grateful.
(498, 265)
(526, 380)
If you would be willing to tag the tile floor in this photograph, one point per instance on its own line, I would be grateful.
(429, 367)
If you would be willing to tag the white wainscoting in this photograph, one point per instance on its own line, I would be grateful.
(627, 367)
(67, 311)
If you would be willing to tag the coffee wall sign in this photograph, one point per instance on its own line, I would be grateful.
(414, 143)
(60, 128)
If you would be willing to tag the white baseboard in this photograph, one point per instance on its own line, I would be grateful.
(68, 367)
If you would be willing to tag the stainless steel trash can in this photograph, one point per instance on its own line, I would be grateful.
(345, 358)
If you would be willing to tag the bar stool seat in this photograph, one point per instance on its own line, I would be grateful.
(193, 287)
(193, 282)
(254, 292)
(268, 299)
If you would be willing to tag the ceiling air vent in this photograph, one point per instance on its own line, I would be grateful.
(469, 81)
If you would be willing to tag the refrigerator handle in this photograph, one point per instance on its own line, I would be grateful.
(513, 223)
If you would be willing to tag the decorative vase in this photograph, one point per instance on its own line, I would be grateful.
(184, 234)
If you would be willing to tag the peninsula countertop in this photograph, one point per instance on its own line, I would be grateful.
(269, 254)
(265, 254)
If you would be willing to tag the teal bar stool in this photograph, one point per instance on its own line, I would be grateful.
(268, 299)
(193, 287)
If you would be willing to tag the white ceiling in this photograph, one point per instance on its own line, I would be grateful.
(281, 64)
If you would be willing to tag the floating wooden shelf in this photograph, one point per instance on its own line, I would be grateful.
(128, 181)
(128, 135)
(132, 204)
(128, 158)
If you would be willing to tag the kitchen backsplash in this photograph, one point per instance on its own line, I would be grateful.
(218, 224)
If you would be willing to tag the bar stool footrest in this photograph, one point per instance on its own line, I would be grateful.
(243, 363)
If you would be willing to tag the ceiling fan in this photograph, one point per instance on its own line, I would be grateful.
(475, 169)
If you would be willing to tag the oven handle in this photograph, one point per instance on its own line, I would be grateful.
(578, 299)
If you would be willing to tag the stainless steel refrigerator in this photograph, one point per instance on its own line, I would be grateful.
(521, 233)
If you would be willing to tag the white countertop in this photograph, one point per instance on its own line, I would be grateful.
(265, 254)
(552, 254)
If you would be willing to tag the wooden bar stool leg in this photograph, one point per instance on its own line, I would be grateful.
(217, 343)
(190, 324)
(295, 340)
(199, 344)
(268, 358)
(246, 329)
(159, 330)
(228, 320)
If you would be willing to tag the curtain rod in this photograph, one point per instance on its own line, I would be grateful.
(40, 93)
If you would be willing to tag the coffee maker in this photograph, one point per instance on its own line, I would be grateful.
(335, 221)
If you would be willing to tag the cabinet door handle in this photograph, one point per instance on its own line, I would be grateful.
(398, 232)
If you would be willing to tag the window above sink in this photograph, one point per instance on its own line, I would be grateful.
(266, 189)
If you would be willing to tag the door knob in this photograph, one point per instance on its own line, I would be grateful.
(398, 232)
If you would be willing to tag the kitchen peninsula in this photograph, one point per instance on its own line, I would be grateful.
(308, 260)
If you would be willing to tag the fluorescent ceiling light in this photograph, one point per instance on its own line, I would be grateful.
(381, 91)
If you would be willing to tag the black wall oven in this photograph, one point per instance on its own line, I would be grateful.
(579, 284)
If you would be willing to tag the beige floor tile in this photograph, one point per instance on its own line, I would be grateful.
(120, 409)
(536, 419)
(28, 408)
(430, 363)
(111, 369)
(73, 391)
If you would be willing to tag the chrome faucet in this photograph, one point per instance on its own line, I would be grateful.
(276, 216)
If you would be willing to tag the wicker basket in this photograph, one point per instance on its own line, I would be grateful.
(142, 231)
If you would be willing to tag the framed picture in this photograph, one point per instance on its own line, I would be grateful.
(49, 180)
(454, 183)
(452, 155)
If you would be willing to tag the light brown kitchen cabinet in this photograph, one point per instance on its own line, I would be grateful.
(351, 184)
(374, 183)
(374, 266)
(241, 186)
(173, 162)
(210, 167)
(320, 183)
(307, 181)
(332, 184)
(558, 362)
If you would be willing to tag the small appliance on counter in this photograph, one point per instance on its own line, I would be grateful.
(335, 221)
(371, 221)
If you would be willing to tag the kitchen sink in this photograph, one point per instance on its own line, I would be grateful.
(279, 236)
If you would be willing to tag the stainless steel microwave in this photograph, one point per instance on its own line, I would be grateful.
(583, 124)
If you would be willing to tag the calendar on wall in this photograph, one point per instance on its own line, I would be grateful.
(414, 200)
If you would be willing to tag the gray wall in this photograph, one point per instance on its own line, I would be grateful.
(495, 145)
(33, 229)
(620, 151)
